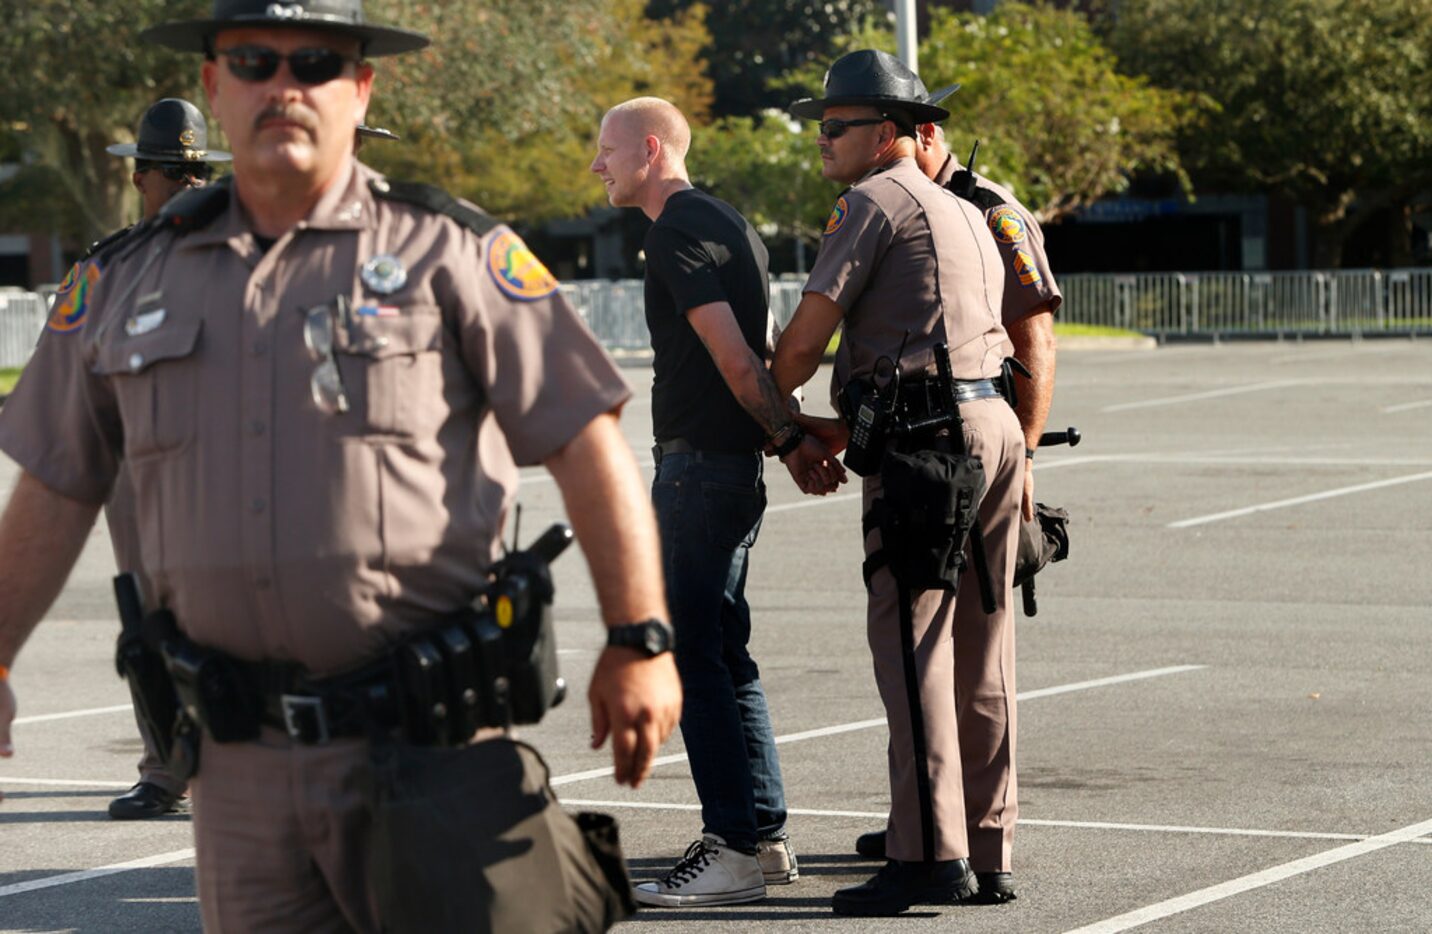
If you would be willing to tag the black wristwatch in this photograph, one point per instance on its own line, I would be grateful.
(651, 637)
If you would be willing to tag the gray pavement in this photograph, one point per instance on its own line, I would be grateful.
(1225, 723)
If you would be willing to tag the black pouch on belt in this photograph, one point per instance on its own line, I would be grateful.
(929, 502)
(473, 840)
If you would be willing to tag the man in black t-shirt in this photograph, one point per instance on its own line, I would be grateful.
(714, 406)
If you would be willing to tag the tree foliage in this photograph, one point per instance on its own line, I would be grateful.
(78, 79)
(754, 42)
(1324, 101)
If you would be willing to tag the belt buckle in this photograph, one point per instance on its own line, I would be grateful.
(305, 719)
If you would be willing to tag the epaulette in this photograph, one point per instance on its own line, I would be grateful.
(196, 208)
(101, 245)
(436, 200)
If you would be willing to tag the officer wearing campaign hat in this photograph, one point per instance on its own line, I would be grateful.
(171, 152)
(171, 155)
(323, 382)
(912, 272)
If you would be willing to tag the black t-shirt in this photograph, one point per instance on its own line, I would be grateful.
(701, 250)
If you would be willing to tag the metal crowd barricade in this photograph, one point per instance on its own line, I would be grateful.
(22, 318)
(1332, 302)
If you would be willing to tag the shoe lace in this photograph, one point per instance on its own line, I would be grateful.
(698, 856)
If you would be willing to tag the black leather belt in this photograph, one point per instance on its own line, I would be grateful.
(314, 712)
(922, 398)
(674, 446)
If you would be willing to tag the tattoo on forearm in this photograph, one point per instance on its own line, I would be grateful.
(762, 399)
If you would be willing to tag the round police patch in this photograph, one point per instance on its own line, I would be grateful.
(837, 217)
(72, 300)
(1007, 226)
(516, 270)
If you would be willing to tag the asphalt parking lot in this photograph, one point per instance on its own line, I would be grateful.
(1225, 719)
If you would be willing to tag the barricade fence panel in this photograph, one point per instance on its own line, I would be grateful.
(1343, 301)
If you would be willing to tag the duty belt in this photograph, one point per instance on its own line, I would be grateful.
(922, 399)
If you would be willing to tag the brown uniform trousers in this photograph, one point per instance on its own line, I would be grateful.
(964, 676)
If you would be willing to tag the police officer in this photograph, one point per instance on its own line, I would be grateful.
(909, 268)
(1031, 297)
(170, 155)
(307, 371)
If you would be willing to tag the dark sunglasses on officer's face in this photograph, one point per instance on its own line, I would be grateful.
(178, 171)
(255, 63)
(835, 128)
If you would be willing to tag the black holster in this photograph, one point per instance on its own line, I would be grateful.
(140, 659)
(929, 504)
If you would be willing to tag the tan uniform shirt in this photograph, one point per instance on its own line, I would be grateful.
(901, 254)
(1028, 280)
(274, 529)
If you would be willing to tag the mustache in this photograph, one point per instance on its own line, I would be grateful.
(289, 112)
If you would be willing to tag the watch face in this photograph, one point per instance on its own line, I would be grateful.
(655, 638)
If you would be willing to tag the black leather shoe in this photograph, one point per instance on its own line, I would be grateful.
(996, 888)
(899, 885)
(143, 801)
(871, 845)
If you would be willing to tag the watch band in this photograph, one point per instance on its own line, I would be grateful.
(651, 637)
(793, 441)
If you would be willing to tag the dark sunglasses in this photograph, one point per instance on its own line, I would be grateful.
(254, 63)
(178, 171)
(835, 128)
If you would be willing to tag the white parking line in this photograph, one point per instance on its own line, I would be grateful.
(880, 721)
(1211, 394)
(1254, 880)
(1407, 406)
(1299, 500)
(1023, 821)
(92, 711)
(63, 783)
(69, 878)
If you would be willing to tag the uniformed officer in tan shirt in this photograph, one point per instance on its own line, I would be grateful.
(1031, 298)
(904, 263)
(308, 378)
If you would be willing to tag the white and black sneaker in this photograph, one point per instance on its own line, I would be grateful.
(778, 861)
(711, 873)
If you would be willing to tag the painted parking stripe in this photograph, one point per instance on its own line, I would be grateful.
(1211, 394)
(63, 783)
(1300, 500)
(70, 714)
(70, 878)
(1407, 406)
(1254, 880)
(1023, 821)
(880, 721)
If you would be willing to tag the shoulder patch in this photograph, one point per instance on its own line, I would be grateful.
(837, 216)
(72, 299)
(1007, 226)
(1025, 269)
(433, 199)
(517, 270)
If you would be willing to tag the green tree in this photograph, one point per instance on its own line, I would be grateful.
(754, 42)
(78, 79)
(1323, 101)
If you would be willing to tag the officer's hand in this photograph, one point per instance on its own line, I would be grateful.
(831, 432)
(814, 469)
(638, 701)
(1027, 507)
(7, 715)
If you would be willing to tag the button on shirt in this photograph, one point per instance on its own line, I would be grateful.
(901, 254)
(272, 527)
(1028, 280)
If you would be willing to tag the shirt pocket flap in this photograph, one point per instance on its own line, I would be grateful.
(414, 330)
(134, 355)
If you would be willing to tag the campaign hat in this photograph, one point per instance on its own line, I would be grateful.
(171, 130)
(874, 78)
(344, 17)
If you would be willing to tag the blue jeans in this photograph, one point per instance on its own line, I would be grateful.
(708, 508)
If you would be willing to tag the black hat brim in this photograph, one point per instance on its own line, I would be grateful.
(132, 150)
(814, 108)
(941, 94)
(196, 35)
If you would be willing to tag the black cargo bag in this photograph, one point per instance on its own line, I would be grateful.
(928, 504)
(473, 840)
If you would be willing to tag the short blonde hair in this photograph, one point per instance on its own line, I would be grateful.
(653, 116)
